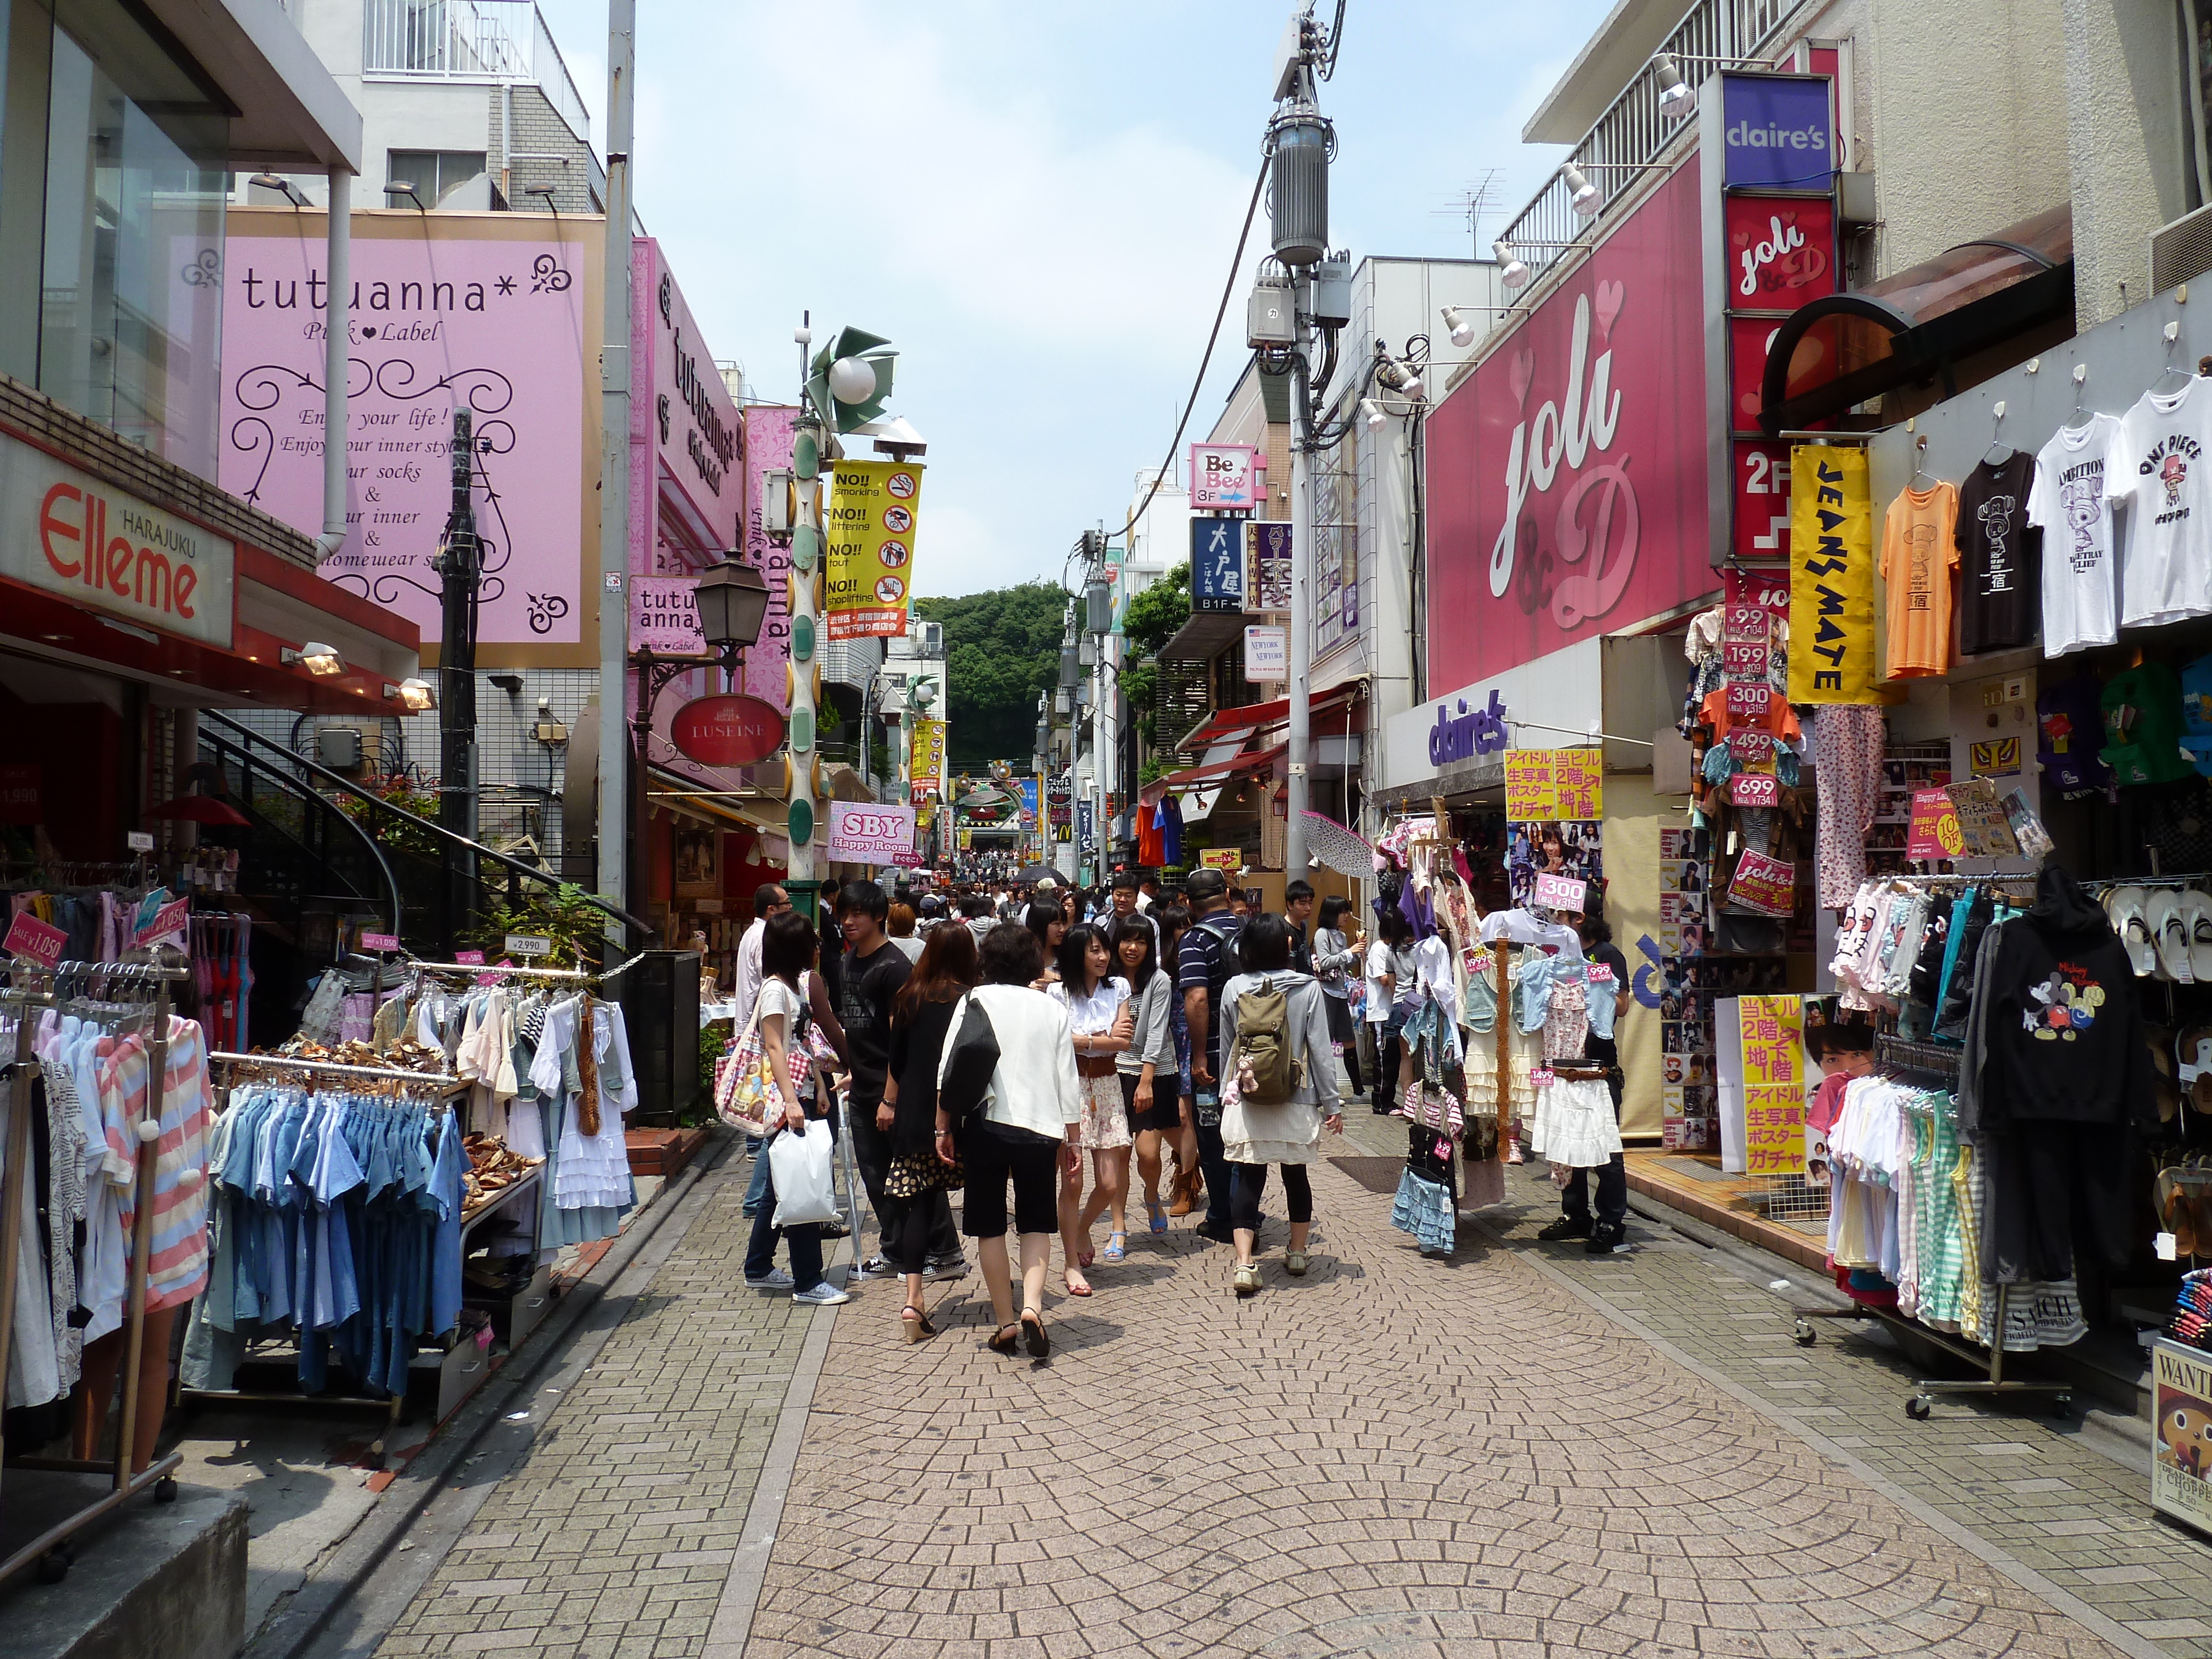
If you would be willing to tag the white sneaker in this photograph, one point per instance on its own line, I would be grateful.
(775, 1279)
(825, 1294)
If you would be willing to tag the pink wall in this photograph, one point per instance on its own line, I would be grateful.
(768, 446)
(495, 326)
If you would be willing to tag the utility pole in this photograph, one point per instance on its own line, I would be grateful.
(805, 584)
(614, 468)
(460, 573)
(1300, 735)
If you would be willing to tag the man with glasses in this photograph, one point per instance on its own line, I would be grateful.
(768, 900)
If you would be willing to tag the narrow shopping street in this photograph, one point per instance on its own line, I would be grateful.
(1523, 1450)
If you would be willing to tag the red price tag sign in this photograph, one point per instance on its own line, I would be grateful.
(1600, 974)
(1541, 1079)
(171, 918)
(1755, 789)
(379, 942)
(41, 941)
(1746, 659)
(470, 959)
(1747, 699)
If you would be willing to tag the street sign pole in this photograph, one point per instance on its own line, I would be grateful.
(614, 469)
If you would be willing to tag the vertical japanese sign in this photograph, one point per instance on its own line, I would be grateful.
(1770, 1033)
(1268, 565)
(873, 506)
(1217, 564)
(1830, 576)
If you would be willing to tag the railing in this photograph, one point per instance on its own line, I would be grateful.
(411, 849)
(483, 40)
(1634, 131)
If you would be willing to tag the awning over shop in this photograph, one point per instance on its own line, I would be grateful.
(1221, 771)
(1224, 723)
(1206, 635)
(1920, 325)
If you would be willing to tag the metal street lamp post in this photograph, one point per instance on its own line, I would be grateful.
(732, 602)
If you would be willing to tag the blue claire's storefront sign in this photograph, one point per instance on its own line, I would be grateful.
(1778, 131)
(1468, 733)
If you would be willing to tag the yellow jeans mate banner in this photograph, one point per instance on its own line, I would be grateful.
(1832, 556)
(874, 511)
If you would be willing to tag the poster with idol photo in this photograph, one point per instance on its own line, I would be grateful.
(1572, 848)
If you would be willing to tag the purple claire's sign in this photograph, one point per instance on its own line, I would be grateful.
(1777, 132)
(494, 327)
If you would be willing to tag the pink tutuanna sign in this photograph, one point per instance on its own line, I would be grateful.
(1567, 476)
(494, 327)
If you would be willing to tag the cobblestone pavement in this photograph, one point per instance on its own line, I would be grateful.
(1523, 1451)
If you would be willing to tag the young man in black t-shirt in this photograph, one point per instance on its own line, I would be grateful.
(1609, 1233)
(873, 970)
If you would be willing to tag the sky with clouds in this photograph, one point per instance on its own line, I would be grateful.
(1037, 203)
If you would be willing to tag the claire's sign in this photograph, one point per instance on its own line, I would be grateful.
(1469, 732)
(729, 730)
(1777, 131)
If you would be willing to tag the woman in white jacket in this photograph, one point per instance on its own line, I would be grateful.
(1028, 1129)
(1288, 1133)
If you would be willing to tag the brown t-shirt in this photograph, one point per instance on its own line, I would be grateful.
(1919, 552)
(2000, 576)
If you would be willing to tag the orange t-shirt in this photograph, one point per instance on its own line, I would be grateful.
(1919, 553)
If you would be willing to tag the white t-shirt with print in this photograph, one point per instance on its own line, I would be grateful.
(2161, 471)
(2068, 503)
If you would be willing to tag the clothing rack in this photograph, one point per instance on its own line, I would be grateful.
(46, 1550)
(1940, 1062)
(445, 1082)
(411, 963)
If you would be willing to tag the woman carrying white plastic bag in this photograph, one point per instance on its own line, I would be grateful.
(799, 1152)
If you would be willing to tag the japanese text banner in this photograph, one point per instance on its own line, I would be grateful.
(1831, 654)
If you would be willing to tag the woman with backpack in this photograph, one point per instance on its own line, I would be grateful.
(788, 952)
(1097, 999)
(1029, 1120)
(1278, 1089)
(915, 1184)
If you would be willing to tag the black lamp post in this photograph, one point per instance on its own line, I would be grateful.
(732, 603)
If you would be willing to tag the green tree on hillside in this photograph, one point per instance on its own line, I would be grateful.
(1001, 648)
(1150, 622)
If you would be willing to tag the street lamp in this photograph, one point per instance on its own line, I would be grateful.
(733, 601)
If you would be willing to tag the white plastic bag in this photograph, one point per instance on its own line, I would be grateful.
(800, 1165)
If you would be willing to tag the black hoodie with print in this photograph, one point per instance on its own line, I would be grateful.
(2065, 1034)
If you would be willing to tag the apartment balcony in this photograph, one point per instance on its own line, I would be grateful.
(472, 42)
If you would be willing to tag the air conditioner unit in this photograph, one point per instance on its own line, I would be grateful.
(2181, 251)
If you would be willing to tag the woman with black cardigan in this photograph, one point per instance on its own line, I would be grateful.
(921, 1018)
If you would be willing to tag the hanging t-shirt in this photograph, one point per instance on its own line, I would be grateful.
(2161, 473)
(1919, 552)
(1998, 593)
(2069, 731)
(2069, 504)
(2196, 712)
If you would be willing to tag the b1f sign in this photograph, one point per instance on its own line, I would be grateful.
(1217, 564)
(860, 833)
(1223, 477)
(1779, 133)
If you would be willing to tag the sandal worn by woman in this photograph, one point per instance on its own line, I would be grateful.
(917, 1324)
(1158, 1212)
(1007, 1340)
(1077, 1284)
(1033, 1333)
(1116, 1247)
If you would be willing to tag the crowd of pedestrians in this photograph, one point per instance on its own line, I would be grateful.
(1024, 1047)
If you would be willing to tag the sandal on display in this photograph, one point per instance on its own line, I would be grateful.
(2196, 918)
(2125, 905)
(2163, 916)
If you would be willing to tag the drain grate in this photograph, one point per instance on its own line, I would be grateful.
(1377, 1175)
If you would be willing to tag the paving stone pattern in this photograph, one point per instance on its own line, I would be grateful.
(2032, 1487)
(614, 1536)
(1392, 1457)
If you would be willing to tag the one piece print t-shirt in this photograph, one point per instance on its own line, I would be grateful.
(2068, 502)
(2161, 473)
(1998, 591)
(1919, 552)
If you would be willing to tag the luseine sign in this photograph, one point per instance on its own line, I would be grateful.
(72, 535)
(733, 730)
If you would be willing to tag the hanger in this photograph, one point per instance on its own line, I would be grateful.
(2173, 334)
(2081, 413)
(1998, 451)
(1919, 470)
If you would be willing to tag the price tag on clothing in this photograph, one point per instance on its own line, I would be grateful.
(528, 945)
(468, 958)
(1600, 974)
(379, 942)
(1543, 1079)
(171, 919)
(2166, 1248)
(138, 840)
(41, 941)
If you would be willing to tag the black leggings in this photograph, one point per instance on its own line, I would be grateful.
(1247, 1182)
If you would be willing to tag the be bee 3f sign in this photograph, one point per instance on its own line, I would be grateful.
(860, 833)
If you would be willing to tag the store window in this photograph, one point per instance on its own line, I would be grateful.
(131, 261)
(442, 178)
